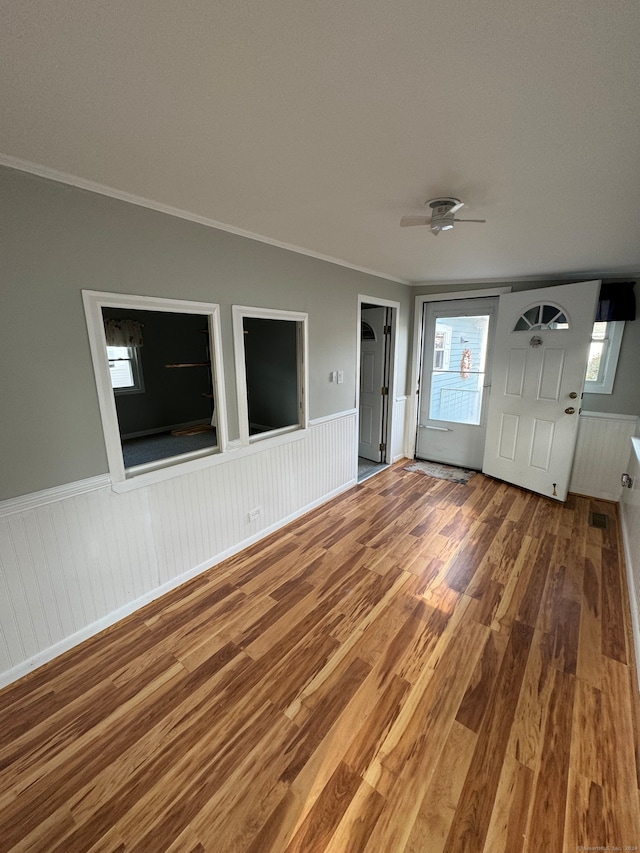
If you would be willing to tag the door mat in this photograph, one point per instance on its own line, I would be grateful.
(441, 472)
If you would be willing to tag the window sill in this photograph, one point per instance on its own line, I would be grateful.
(201, 461)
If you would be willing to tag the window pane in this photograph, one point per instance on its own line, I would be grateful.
(606, 339)
(120, 368)
(599, 331)
(121, 373)
(541, 317)
(594, 363)
(456, 391)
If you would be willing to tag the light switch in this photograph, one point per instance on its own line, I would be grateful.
(340, 377)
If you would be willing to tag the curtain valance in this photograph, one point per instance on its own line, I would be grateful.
(123, 333)
(617, 301)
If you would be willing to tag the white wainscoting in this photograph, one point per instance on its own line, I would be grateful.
(602, 452)
(76, 559)
(630, 514)
(399, 428)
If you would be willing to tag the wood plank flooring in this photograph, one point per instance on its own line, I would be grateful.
(416, 666)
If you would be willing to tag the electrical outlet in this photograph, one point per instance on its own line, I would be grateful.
(254, 513)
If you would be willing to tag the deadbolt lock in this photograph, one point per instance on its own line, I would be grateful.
(570, 411)
(573, 395)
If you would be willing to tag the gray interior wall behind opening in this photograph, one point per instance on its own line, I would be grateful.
(271, 361)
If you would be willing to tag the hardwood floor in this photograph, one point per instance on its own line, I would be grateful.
(416, 666)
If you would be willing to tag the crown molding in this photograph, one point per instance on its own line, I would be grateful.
(101, 189)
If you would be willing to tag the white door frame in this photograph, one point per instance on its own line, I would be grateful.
(383, 303)
(416, 355)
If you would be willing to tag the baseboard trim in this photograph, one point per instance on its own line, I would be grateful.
(64, 645)
(632, 593)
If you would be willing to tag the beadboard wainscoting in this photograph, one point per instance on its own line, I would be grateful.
(630, 516)
(601, 455)
(76, 559)
(399, 428)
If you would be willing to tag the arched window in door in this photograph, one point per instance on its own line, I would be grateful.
(542, 317)
(367, 332)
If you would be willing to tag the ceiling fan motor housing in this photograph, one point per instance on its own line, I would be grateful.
(442, 205)
(442, 217)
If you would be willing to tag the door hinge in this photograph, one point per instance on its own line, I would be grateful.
(384, 390)
(386, 330)
(382, 447)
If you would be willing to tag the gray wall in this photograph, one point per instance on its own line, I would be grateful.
(60, 240)
(625, 399)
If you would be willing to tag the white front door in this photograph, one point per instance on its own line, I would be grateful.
(454, 380)
(372, 376)
(541, 351)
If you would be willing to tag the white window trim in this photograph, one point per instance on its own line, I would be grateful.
(94, 302)
(612, 353)
(239, 312)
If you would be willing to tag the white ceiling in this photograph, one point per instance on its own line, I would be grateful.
(319, 124)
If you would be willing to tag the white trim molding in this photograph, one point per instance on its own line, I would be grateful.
(416, 355)
(94, 301)
(395, 412)
(301, 319)
(23, 503)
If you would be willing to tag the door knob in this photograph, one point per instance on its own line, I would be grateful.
(570, 411)
(573, 395)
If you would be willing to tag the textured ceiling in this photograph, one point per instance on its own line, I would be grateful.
(319, 125)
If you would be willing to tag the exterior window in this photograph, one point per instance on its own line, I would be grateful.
(603, 357)
(442, 347)
(271, 373)
(124, 369)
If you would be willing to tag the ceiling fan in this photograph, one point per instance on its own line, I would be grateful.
(442, 217)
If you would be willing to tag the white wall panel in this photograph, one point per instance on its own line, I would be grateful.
(72, 565)
(401, 428)
(630, 512)
(602, 452)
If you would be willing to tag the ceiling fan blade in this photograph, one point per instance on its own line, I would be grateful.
(469, 220)
(406, 221)
(456, 207)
